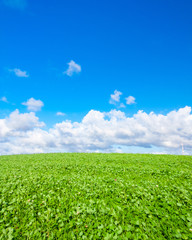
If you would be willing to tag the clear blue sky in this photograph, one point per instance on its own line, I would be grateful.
(140, 48)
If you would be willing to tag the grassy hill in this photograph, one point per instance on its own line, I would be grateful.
(95, 196)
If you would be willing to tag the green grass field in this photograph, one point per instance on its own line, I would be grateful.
(95, 196)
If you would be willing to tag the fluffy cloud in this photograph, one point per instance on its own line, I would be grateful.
(23, 121)
(4, 99)
(98, 132)
(22, 133)
(73, 68)
(130, 100)
(115, 98)
(60, 114)
(17, 124)
(33, 105)
(122, 105)
(19, 73)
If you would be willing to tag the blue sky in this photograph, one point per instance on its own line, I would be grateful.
(139, 48)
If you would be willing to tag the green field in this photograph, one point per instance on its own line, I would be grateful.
(95, 196)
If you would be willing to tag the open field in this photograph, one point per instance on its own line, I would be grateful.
(95, 196)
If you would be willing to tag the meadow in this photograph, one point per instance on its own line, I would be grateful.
(95, 196)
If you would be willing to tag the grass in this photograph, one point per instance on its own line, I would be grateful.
(95, 196)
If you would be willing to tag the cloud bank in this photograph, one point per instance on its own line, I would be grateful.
(97, 132)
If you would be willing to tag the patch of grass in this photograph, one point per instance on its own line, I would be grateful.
(95, 196)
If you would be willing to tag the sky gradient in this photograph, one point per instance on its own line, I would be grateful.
(126, 66)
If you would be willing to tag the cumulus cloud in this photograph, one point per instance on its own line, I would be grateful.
(4, 99)
(19, 73)
(23, 121)
(17, 124)
(115, 98)
(98, 132)
(73, 68)
(130, 100)
(60, 114)
(23, 133)
(33, 105)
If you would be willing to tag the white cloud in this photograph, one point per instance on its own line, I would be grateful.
(21, 133)
(33, 105)
(23, 121)
(73, 68)
(18, 124)
(122, 105)
(4, 99)
(19, 73)
(130, 100)
(60, 114)
(98, 132)
(115, 98)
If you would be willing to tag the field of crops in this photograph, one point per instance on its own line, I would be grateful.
(95, 196)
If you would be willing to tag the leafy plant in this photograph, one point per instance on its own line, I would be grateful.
(95, 196)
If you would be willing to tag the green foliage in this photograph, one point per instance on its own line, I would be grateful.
(95, 196)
